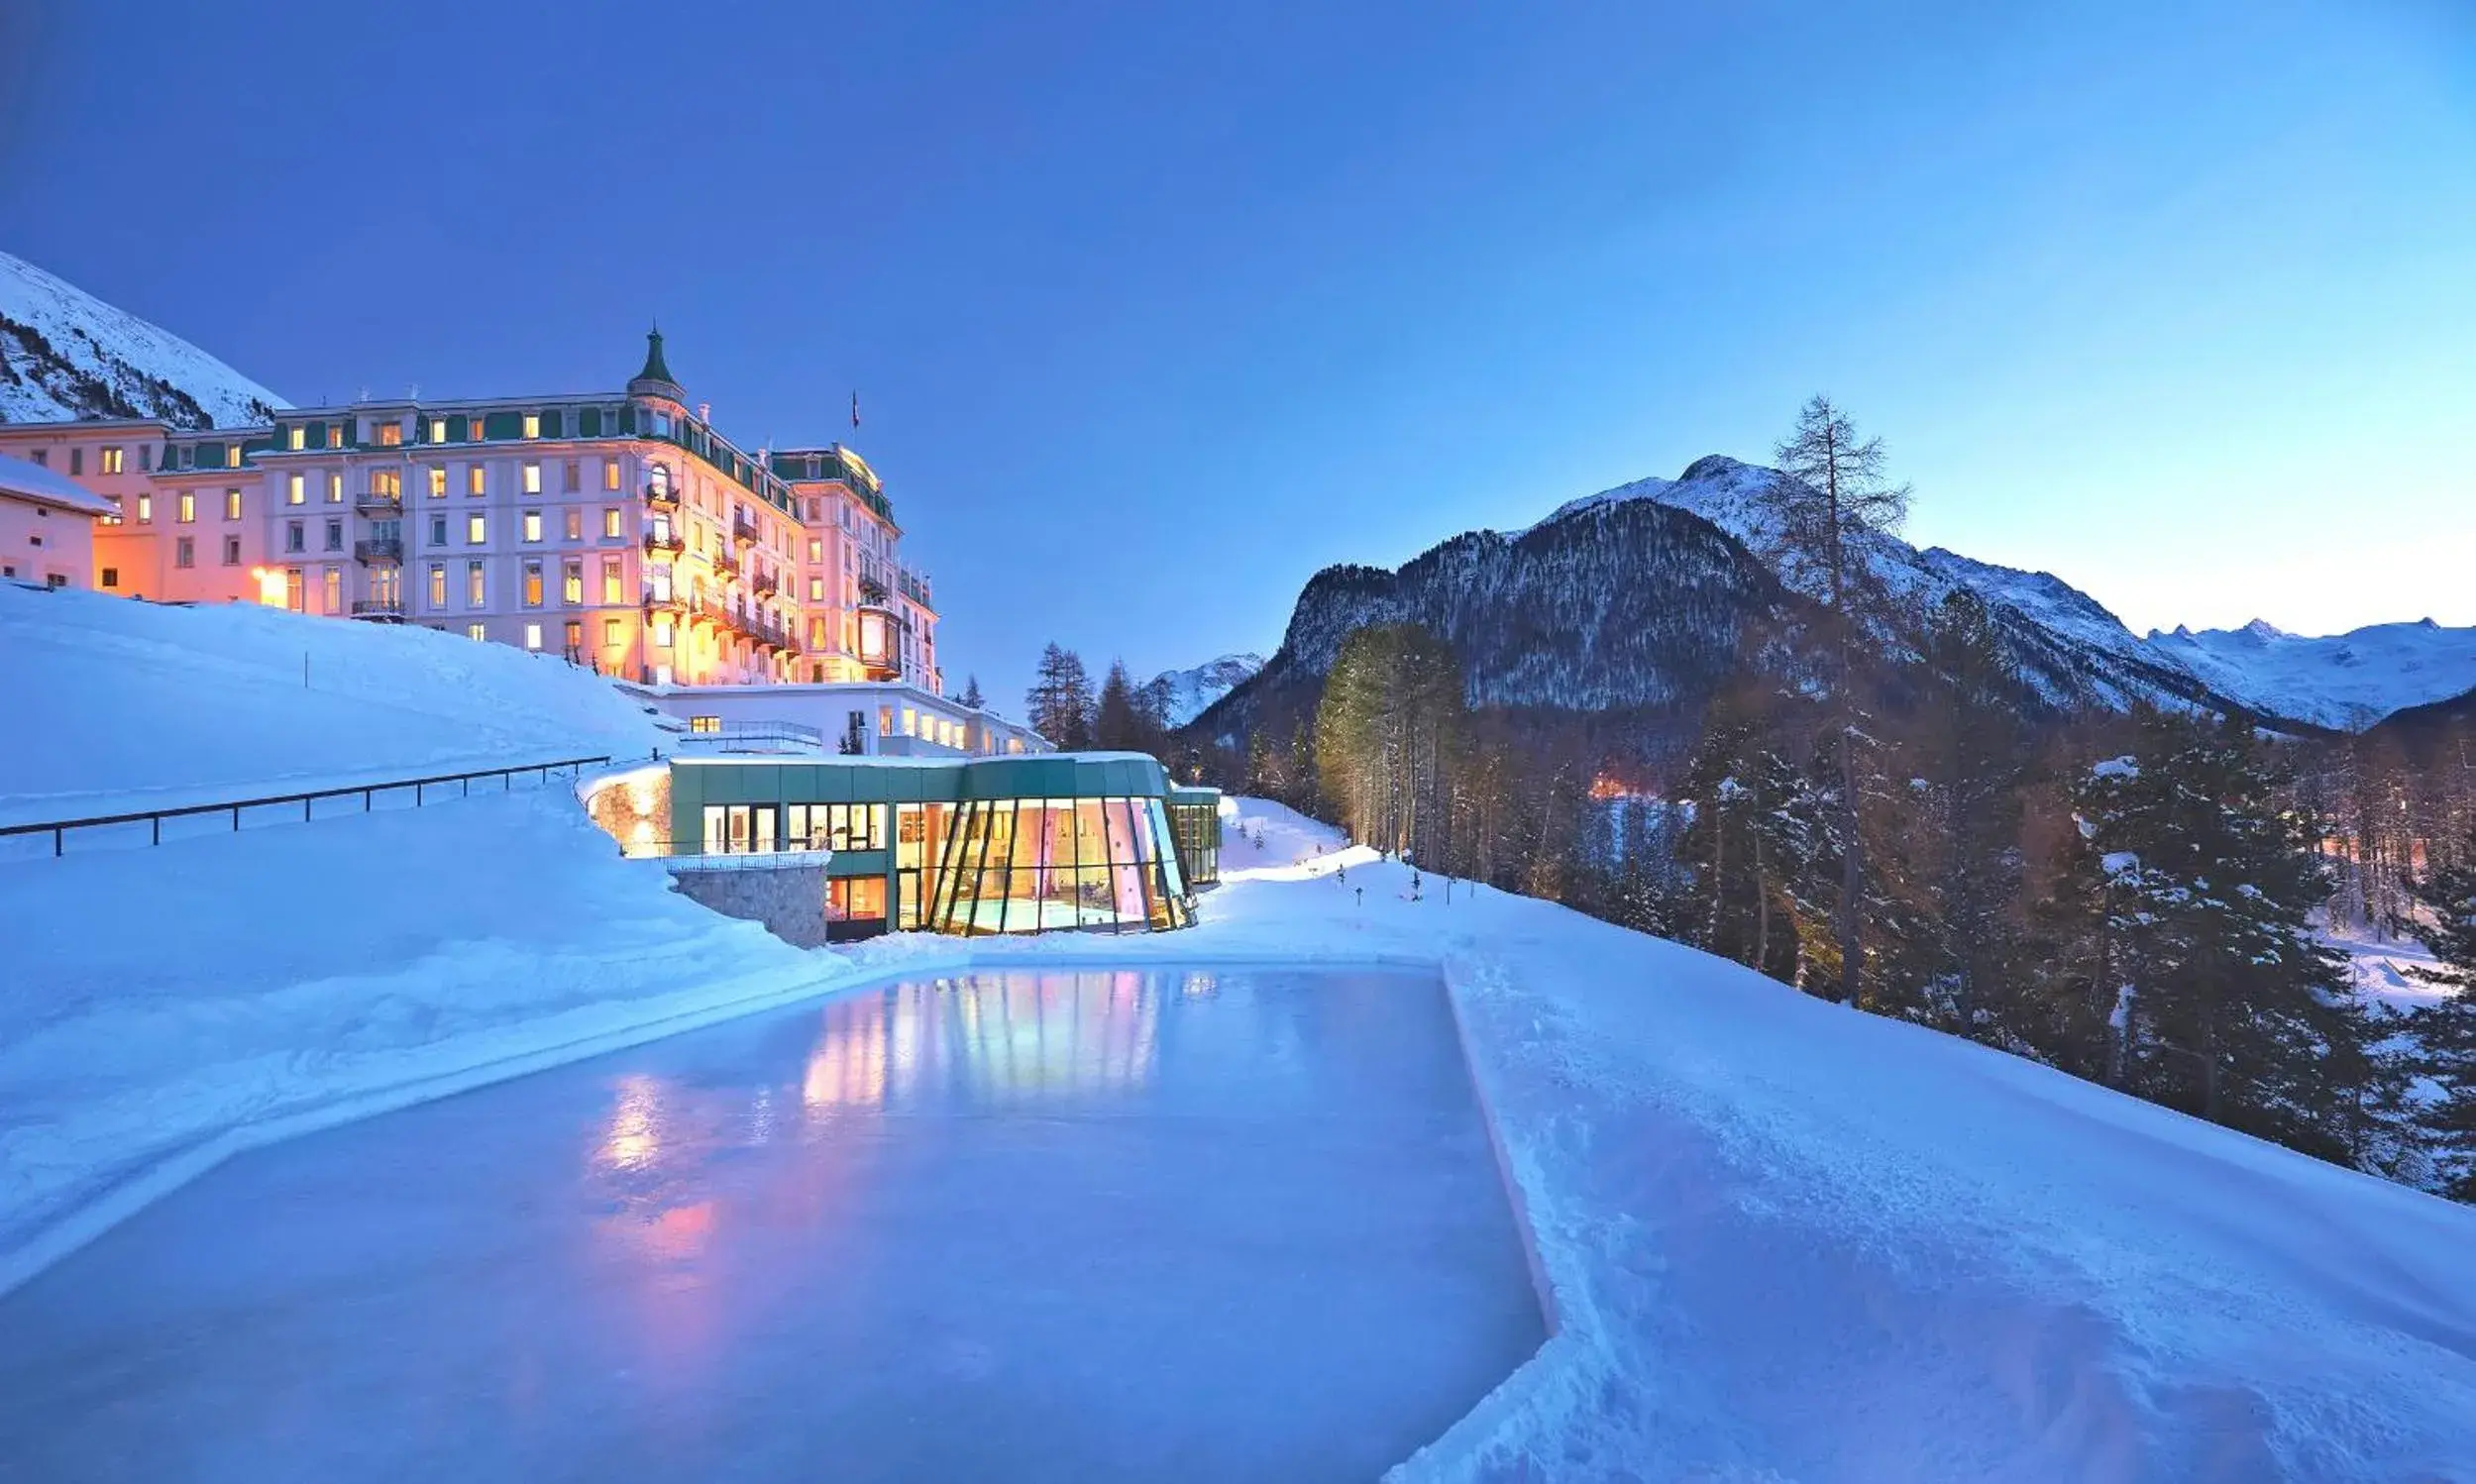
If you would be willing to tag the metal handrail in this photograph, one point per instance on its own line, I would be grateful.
(59, 828)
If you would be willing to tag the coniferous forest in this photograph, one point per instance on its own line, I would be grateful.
(1874, 805)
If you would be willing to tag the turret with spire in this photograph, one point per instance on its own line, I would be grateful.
(656, 381)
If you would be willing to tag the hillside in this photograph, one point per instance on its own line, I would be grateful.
(66, 354)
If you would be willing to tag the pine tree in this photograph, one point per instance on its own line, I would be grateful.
(2227, 1006)
(1117, 725)
(1829, 504)
(971, 692)
(1060, 699)
(1386, 727)
(2445, 1031)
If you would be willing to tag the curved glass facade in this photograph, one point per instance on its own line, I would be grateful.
(1041, 865)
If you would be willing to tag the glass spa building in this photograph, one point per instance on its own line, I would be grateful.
(1062, 841)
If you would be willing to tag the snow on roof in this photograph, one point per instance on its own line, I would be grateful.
(23, 479)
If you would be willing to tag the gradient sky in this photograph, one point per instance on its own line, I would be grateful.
(1154, 310)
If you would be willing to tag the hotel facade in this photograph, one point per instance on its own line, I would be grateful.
(620, 530)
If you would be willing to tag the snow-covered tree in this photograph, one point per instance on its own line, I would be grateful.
(2445, 1031)
(2224, 1004)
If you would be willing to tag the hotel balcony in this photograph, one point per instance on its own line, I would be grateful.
(726, 563)
(660, 541)
(662, 499)
(767, 584)
(742, 528)
(380, 506)
(374, 549)
(384, 609)
(673, 601)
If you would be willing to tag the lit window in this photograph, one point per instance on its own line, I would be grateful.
(572, 526)
(532, 477)
(232, 457)
(532, 425)
(910, 722)
(232, 504)
(296, 488)
(390, 435)
(662, 633)
(187, 511)
(574, 632)
(613, 632)
(438, 434)
(335, 488)
(476, 529)
(533, 636)
(572, 581)
(533, 585)
(146, 509)
(475, 590)
(473, 480)
(438, 584)
(612, 577)
(477, 631)
(295, 439)
(817, 589)
(609, 473)
(438, 481)
(331, 592)
(532, 525)
(610, 525)
(111, 457)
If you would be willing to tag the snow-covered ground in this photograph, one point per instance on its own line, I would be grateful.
(123, 705)
(2388, 971)
(1777, 1238)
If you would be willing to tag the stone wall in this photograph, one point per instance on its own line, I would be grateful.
(790, 900)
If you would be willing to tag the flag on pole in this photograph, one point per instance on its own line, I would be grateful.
(855, 411)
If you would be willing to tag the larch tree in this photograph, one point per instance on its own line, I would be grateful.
(1821, 518)
(1060, 699)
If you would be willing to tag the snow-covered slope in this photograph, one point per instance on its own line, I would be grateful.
(1192, 691)
(66, 354)
(161, 1006)
(131, 705)
(2345, 681)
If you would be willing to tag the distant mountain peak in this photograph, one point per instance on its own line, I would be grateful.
(66, 354)
(1193, 691)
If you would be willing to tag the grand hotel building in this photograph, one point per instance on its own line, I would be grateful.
(619, 529)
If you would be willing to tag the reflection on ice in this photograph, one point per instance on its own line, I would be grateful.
(1071, 1226)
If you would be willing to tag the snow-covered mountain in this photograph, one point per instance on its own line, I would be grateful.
(1191, 692)
(1603, 607)
(2347, 681)
(66, 354)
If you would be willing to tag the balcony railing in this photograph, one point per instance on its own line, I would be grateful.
(726, 563)
(673, 601)
(665, 540)
(767, 583)
(662, 498)
(742, 528)
(372, 549)
(377, 503)
(377, 607)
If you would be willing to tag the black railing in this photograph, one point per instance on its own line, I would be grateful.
(59, 830)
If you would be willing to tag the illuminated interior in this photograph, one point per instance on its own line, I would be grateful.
(1043, 865)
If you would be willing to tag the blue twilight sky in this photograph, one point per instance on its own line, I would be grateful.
(1155, 309)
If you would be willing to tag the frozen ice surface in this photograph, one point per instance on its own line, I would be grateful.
(1139, 1224)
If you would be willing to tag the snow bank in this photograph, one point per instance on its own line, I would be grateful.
(1785, 1239)
(126, 706)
